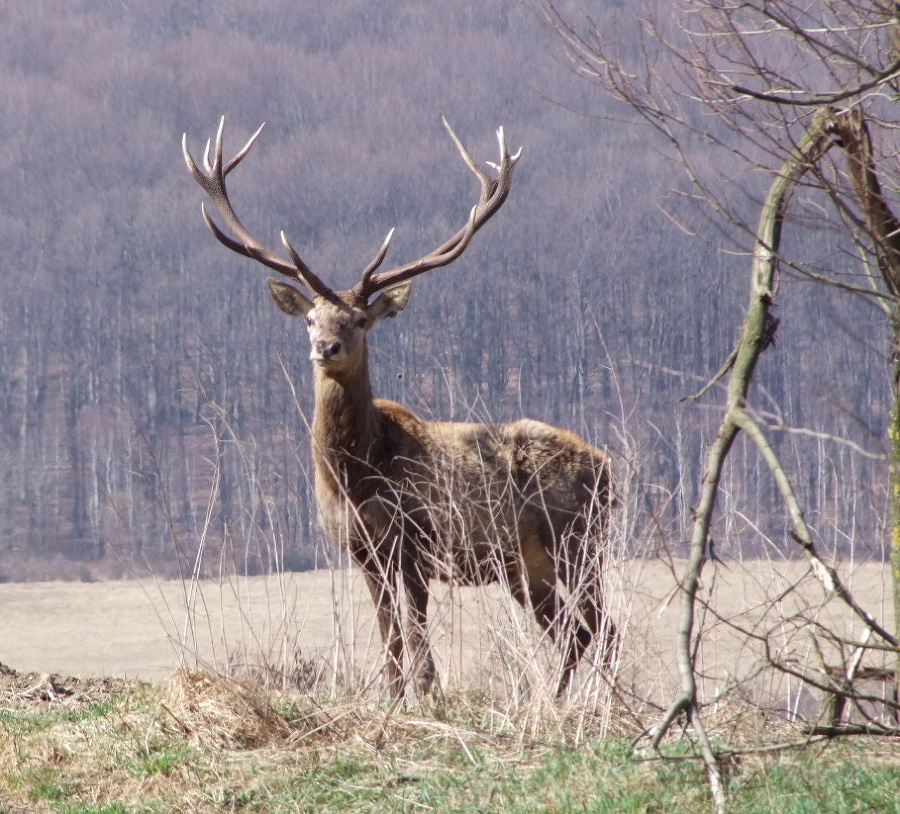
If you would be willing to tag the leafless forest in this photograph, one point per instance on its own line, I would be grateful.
(146, 401)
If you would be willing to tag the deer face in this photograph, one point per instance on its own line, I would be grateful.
(337, 328)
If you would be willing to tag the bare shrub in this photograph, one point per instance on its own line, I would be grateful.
(220, 712)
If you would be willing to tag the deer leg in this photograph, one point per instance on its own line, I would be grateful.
(547, 606)
(381, 581)
(422, 661)
(581, 574)
(572, 636)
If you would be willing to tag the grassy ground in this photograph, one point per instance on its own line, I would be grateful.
(78, 746)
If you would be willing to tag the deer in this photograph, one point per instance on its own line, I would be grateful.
(525, 504)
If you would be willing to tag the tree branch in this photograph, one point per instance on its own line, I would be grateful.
(822, 99)
(827, 575)
(753, 338)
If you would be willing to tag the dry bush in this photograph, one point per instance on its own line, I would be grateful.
(214, 711)
(296, 672)
(494, 662)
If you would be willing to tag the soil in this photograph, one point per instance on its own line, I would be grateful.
(88, 640)
(36, 690)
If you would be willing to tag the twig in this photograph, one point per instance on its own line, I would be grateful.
(820, 99)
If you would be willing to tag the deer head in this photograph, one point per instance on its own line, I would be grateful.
(337, 327)
(338, 321)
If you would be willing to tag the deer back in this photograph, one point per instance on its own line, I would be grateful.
(468, 496)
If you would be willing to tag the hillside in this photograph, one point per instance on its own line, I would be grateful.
(144, 395)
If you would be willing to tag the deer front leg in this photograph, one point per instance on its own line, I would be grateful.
(423, 668)
(382, 583)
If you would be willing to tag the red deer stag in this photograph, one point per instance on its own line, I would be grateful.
(417, 500)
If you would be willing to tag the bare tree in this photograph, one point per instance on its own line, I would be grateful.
(805, 93)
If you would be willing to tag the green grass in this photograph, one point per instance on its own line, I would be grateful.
(122, 757)
(162, 760)
(19, 723)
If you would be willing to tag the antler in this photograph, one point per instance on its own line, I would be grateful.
(213, 183)
(493, 194)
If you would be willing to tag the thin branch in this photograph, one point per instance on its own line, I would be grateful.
(822, 99)
(854, 729)
(827, 575)
(720, 373)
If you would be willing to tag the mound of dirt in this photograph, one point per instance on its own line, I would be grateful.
(29, 690)
(229, 713)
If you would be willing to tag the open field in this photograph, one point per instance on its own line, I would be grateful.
(194, 742)
(147, 629)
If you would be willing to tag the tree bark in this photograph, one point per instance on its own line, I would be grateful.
(884, 228)
(754, 337)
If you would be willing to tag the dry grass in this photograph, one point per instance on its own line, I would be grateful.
(213, 711)
(208, 744)
(193, 745)
(318, 628)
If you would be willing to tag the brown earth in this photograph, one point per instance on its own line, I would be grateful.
(146, 630)
(20, 690)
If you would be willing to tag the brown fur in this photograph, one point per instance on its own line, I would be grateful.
(413, 500)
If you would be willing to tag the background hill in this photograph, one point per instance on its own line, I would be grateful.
(145, 408)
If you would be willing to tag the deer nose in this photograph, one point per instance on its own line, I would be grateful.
(328, 348)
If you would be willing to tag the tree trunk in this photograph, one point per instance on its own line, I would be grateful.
(894, 486)
(884, 229)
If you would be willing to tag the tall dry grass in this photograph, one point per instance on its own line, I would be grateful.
(486, 646)
(768, 641)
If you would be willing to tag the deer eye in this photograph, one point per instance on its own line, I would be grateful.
(310, 322)
(362, 321)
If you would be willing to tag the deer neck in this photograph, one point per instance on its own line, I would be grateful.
(345, 424)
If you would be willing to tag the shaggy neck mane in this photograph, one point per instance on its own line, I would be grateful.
(344, 421)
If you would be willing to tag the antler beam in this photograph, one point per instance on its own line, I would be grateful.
(213, 183)
(493, 194)
(238, 238)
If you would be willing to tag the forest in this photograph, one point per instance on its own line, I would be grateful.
(153, 401)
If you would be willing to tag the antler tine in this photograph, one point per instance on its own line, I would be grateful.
(377, 261)
(309, 278)
(494, 192)
(467, 157)
(243, 151)
(241, 240)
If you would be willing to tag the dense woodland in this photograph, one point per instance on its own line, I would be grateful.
(153, 400)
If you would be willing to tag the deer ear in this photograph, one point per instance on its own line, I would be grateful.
(390, 303)
(293, 302)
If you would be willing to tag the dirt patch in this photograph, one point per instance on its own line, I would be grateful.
(40, 690)
(110, 633)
